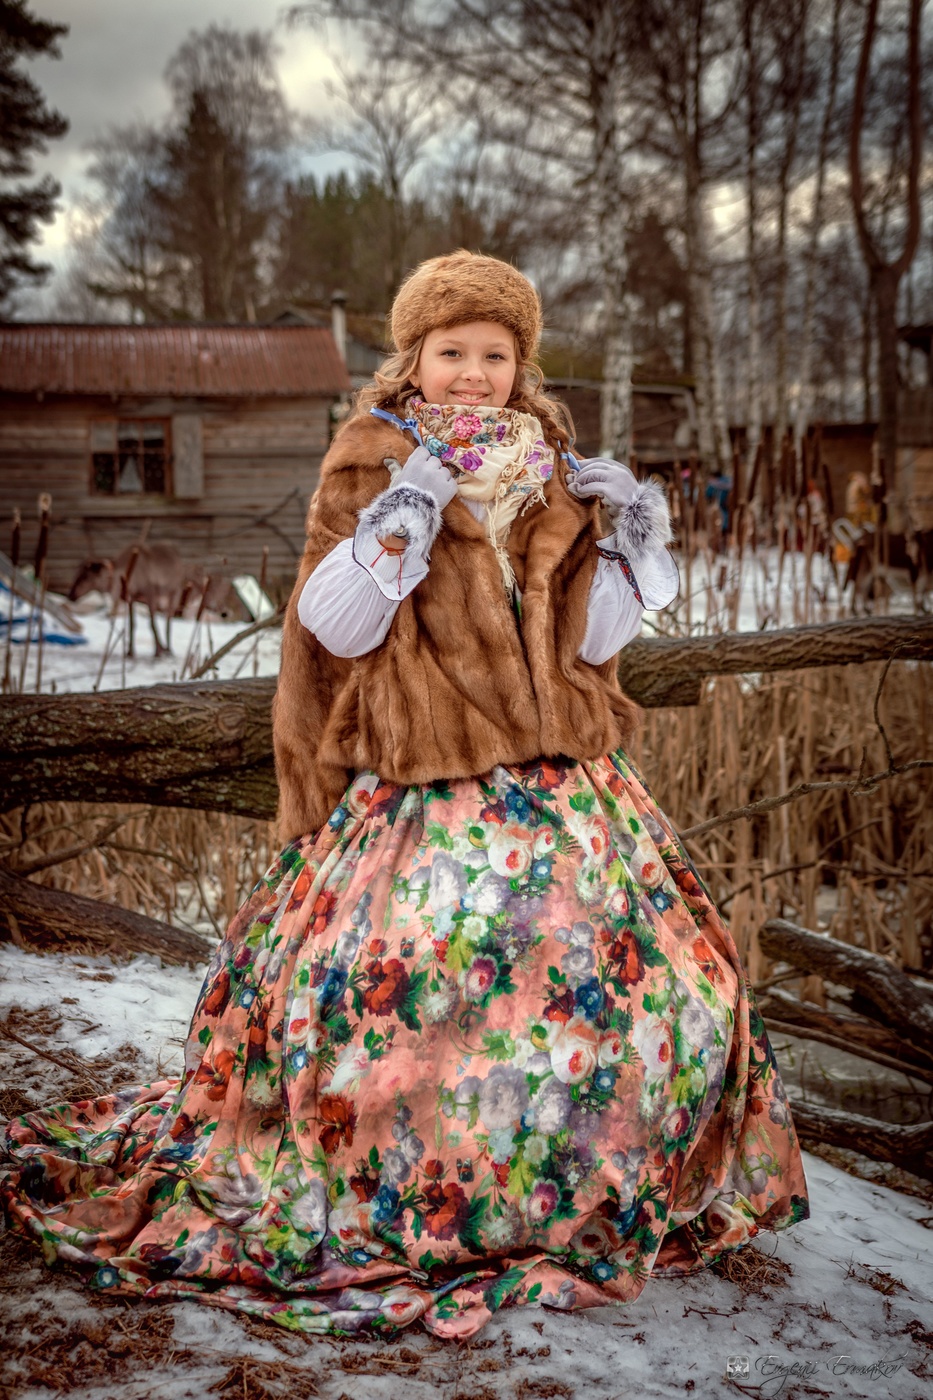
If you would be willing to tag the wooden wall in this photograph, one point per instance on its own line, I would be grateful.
(845, 448)
(661, 430)
(261, 459)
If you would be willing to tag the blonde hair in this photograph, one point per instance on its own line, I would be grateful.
(391, 386)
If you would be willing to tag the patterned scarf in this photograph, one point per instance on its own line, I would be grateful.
(497, 455)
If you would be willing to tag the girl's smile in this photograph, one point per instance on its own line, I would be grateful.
(474, 365)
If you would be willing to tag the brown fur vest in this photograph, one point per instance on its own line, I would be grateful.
(457, 686)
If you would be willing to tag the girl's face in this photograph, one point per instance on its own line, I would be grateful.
(473, 365)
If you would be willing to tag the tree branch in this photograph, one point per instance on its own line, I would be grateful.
(861, 786)
(891, 996)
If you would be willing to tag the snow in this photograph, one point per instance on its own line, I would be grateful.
(109, 1004)
(858, 1295)
(101, 664)
(747, 592)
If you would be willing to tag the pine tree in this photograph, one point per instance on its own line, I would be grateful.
(26, 125)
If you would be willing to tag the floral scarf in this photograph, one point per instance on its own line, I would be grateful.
(498, 456)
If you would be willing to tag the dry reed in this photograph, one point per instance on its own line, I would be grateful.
(192, 869)
(857, 864)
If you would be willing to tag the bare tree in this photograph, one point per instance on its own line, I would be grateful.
(686, 53)
(753, 137)
(603, 58)
(812, 250)
(120, 254)
(791, 25)
(885, 272)
(219, 179)
(388, 118)
(183, 209)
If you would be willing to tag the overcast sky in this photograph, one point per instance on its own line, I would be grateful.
(111, 67)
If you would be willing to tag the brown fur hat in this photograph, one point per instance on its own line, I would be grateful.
(461, 287)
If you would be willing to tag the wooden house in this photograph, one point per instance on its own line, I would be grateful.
(208, 437)
(663, 418)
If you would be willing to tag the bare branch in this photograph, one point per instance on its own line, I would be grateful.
(860, 787)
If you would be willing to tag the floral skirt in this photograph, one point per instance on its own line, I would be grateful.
(474, 1043)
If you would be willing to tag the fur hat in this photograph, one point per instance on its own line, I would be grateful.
(461, 287)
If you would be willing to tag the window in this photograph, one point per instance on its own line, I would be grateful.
(130, 456)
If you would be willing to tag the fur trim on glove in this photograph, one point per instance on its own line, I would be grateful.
(644, 525)
(406, 511)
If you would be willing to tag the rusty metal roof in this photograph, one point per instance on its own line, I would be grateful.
(181, 361)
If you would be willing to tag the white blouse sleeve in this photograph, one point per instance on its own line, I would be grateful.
(351, 599)
(620, 595)
(353, 595)
(613, 615)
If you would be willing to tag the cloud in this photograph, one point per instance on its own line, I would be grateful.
(111, 68)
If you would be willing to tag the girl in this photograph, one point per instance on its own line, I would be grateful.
(479, 1036)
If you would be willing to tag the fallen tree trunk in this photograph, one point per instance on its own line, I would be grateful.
(661, 671)
(856, 1036)
(208, 744)
(32, 914)
(889, 995)
(907, 1147)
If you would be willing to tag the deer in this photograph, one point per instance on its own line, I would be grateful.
(154, 574)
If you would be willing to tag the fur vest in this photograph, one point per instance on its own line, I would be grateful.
(459, 684)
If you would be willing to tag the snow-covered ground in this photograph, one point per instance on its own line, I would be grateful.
(842, 1304)
(718, 593)
(97, 660)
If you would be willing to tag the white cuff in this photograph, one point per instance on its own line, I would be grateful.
(653, 576)
(643, 526)
(347, 606)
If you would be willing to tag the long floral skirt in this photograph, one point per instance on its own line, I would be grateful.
(474, 1043)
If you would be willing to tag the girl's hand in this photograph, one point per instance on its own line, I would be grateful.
(613, 483)
(429, 474)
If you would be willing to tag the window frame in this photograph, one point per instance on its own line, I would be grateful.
(118, 420)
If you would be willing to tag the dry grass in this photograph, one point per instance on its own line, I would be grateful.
(192, 869)
(752, 1271)
(252, 1379)
(104, 1339)
(858, 863)
(878, 1279)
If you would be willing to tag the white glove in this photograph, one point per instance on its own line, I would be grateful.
(614, 483)
(428, 474)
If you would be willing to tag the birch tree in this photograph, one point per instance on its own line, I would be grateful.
(604, 61)
(886, 271)
(811, 255)
(791, 26)
(753, 136)
(686, 54)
